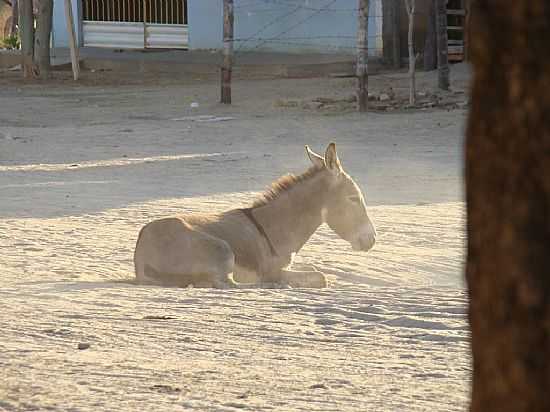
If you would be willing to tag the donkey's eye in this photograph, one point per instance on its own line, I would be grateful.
(354, 199)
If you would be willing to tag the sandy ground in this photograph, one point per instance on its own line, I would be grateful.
(83, 167)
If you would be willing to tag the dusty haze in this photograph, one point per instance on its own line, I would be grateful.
(82, 168)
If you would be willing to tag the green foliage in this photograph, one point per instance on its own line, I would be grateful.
(11, 42)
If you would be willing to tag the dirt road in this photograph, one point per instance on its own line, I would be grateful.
(82, 167)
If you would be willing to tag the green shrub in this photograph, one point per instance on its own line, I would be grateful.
(11, 42)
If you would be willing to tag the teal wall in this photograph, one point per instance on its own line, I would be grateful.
(285, 25)
(297, 25)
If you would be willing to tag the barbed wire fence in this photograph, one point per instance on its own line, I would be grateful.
(287, 25)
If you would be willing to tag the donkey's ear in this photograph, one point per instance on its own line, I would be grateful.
(331, 159)
(317, 160)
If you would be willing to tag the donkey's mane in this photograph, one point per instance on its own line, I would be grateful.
(283, 184)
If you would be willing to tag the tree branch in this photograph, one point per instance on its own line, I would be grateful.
(408, 6)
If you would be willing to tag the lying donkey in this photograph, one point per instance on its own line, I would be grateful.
(257, 244)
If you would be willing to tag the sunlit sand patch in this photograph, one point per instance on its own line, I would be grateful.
(57, 183)
(421, 245)
(123, 161)
(389, 312)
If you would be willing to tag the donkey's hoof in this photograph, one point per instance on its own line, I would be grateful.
(318, 280)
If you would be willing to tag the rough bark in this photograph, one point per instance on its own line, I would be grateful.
(42, 37)
(430, 45)
(26, 33)
(508, 206)
(444, 81)
(362, 56)
(227, 65)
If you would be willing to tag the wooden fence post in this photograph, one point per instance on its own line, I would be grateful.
(227, 65)
(72, 39)
(411, 6)
(362, 56)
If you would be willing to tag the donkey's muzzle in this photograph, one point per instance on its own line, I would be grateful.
(366, 243)
(366, 239)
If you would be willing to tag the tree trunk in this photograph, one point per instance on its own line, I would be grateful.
(508, 206)
(467, 7)
(430, 46)
(14, 17)
(387, 31)
(396, 35)
(390, 32)
(42, 38)
(442, 45)
(227, 65)
(362, 56)
(26, 33)
(411, 5)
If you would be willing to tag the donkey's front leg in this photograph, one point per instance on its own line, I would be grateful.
(304, 279)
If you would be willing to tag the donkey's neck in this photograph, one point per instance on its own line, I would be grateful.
(294, 215)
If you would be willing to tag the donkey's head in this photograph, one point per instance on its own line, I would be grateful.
(344, 209)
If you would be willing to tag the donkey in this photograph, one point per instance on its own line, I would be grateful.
(257, 244)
